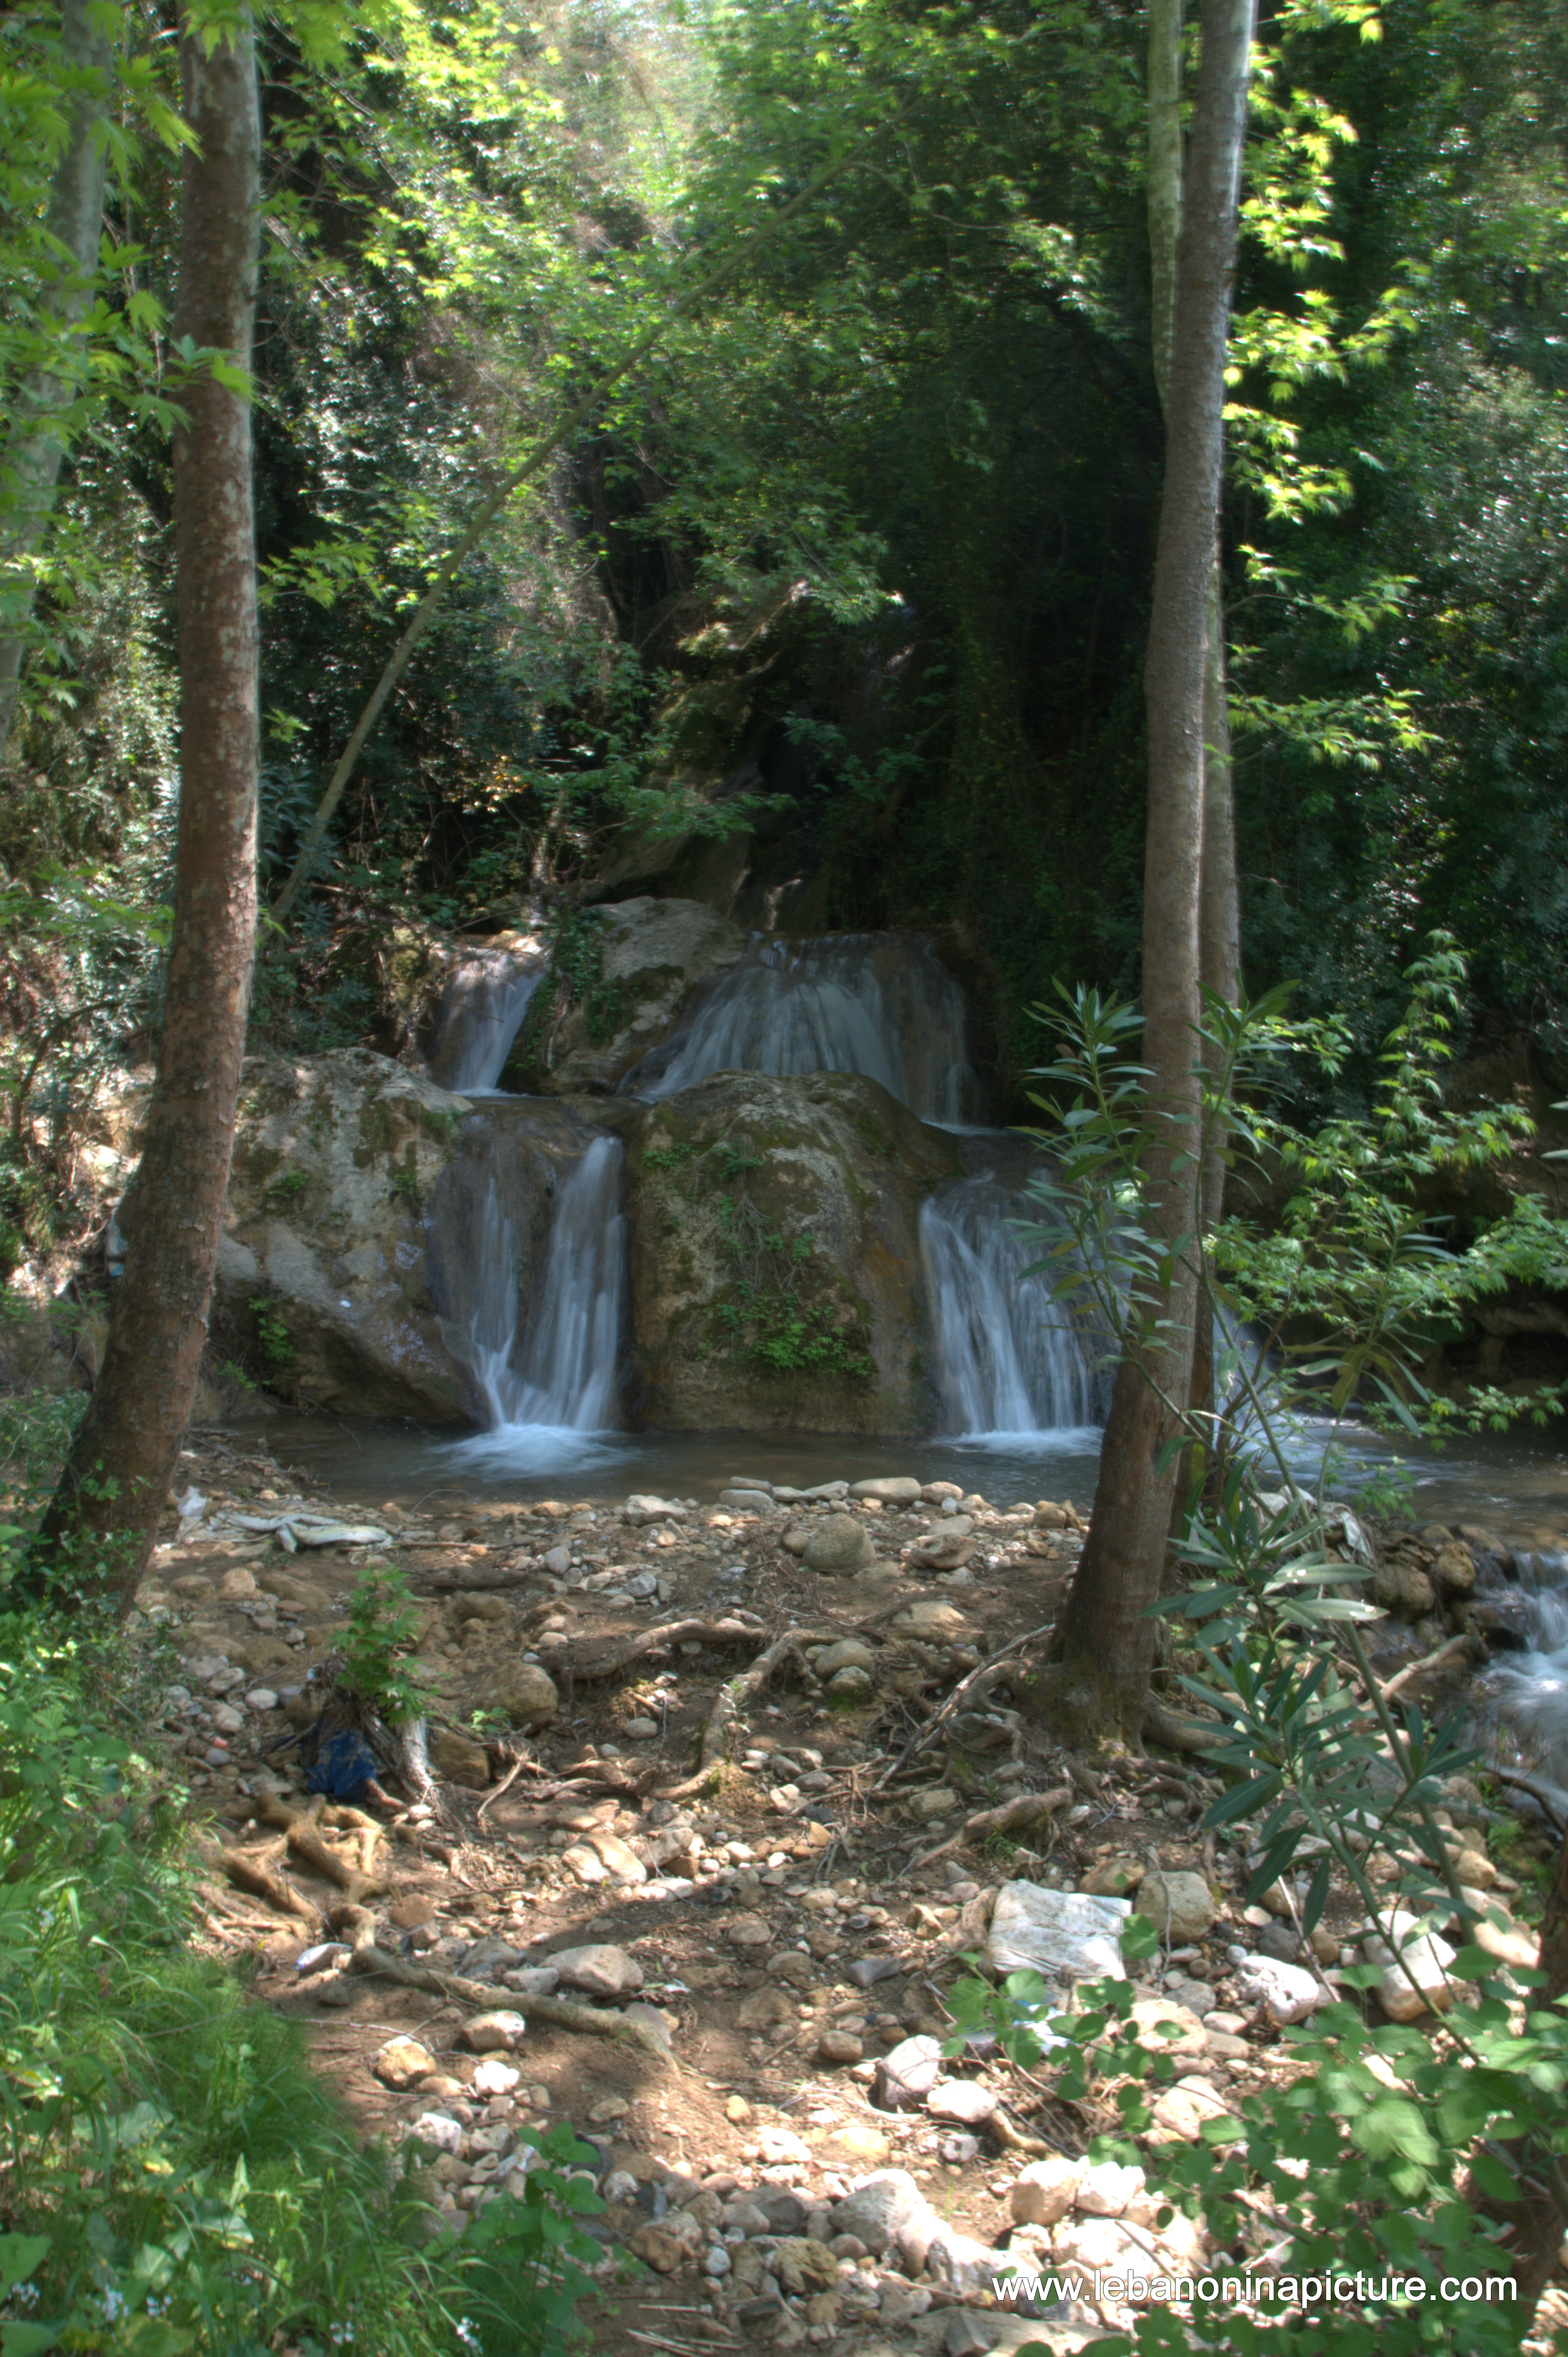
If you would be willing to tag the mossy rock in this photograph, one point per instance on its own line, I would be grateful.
(775, 1255)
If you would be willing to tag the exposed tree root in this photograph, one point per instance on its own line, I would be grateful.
(1177, 1734)
(248, 1874)
(968, 1689)
(736, 1694)
(597, 1657)
(1013, 1817)
(1456, 1648)
(301, 1835)
(559, 2013)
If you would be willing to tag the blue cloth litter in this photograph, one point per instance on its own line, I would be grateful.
(343, 1766)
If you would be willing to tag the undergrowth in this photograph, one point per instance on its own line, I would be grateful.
(172, 2177)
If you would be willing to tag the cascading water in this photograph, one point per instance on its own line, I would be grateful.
(548, 1368)
(879, 1004)
(481, 1014)
(1530, 1689)
(1010, 1359)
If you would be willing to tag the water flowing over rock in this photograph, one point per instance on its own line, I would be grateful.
(1008, 1357)
(650, 955)
(528, 1251)
(775, 1259)
(876, 1004)
(481, 1011)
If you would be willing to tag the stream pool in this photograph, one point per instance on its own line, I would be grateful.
(1515, 1484)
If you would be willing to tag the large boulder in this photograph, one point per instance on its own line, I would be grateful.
(321, 1266)
(619, 986)
(775, 1255)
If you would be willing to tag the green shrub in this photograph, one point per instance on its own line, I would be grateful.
(383, 1631)
(174, 2177)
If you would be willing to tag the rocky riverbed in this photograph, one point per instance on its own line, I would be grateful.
(784, 2152)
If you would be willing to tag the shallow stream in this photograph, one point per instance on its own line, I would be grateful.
(1515, 1485)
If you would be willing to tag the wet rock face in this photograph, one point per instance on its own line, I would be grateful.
(775, 1255)
(335, 1161)
(649, 956)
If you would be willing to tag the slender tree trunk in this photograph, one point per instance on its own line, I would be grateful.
(1165, 165)
(1220, 937)
(118, 1475)
(1218, 913)
(35, 447)
(1118, 1576)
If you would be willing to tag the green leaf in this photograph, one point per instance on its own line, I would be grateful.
(26, 2339)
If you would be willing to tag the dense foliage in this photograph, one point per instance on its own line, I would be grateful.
(856, 560)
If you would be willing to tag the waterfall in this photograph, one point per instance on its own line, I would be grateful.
(1530, 1691)
(481, 1014)
(1010, 1359)
(879, 1004)
(546, 1364)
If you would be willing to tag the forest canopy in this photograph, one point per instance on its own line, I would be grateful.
(856, 560)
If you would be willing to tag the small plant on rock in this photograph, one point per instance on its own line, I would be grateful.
(378, 1652)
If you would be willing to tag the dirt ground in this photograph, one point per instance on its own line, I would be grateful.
(788, 1920)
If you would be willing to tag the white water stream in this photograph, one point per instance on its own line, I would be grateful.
(1011, 1363)
(547, 1364)
(482, 1011)
(878, 1003)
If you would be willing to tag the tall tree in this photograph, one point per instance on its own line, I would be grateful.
(1119, 1575)
(119, 1471)
(36, 441)
(1219, 915)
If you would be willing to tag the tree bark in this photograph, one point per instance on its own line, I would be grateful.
(1218, 908)
(1219, 938)
(1164, 167)
(104, 1515)
(35, 447)
(1119, 1575)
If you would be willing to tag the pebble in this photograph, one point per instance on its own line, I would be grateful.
(403, 2061)
(838, 2046)
(599, 1969)
(963, 2100)
(486, 2031)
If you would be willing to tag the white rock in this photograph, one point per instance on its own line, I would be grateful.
(963, 2100)
(1065, 1935)
(438, 2128)
(1107, 2189)
(486, 2031)
(601, 1970)
(493, 2078)
(877, 2207)
(1411, 1955)
(261, 1698)
(642, 1507)
(1099, 2245)
(1044, 2191)
(1287, 1992)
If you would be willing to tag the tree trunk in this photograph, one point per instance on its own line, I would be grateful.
(76, 218)
(1118, 1576)
(1218, 911)
(1220, 939)
(118, 1474)
(1165, 165)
